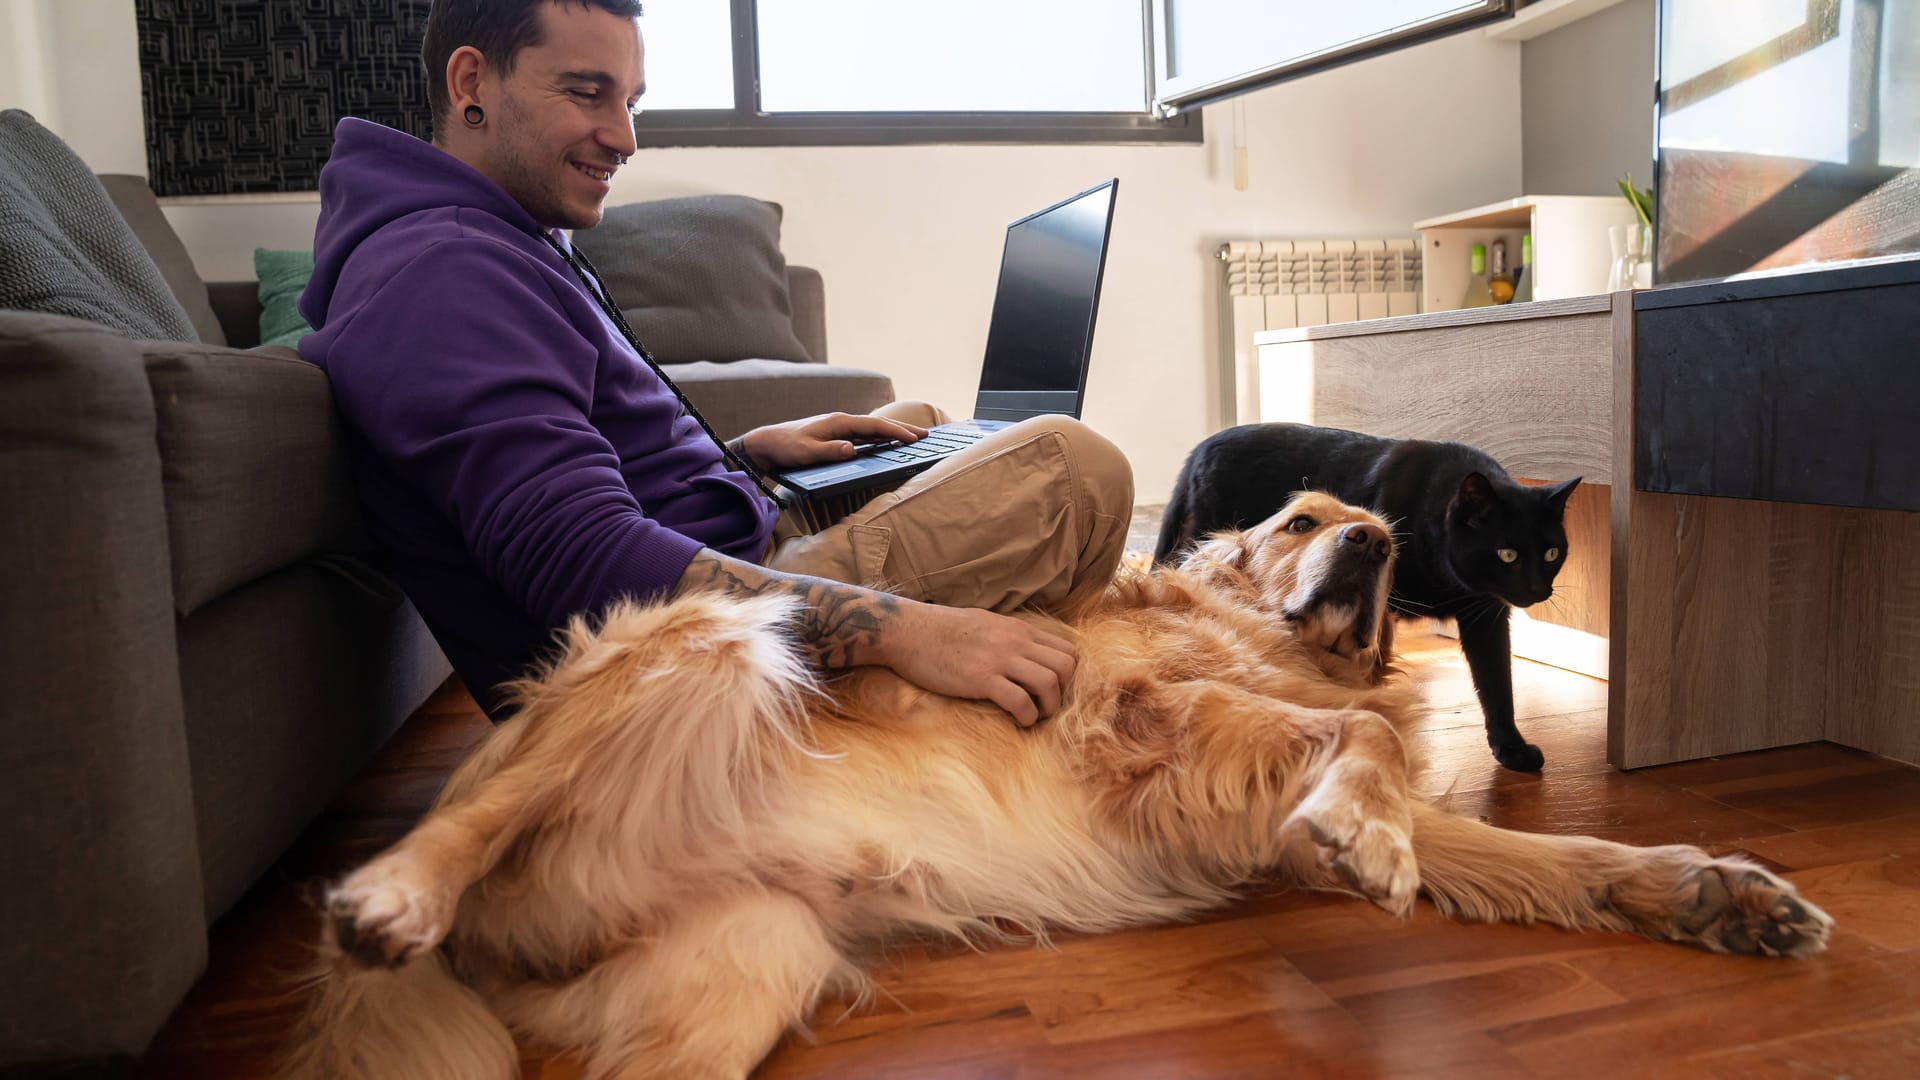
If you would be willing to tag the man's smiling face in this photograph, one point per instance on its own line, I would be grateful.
(563, 120)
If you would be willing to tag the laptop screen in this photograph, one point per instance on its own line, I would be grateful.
(1041, 333)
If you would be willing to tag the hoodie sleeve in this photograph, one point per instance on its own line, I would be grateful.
(465, 376)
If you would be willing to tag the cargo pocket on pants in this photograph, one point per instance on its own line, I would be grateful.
(871, 544)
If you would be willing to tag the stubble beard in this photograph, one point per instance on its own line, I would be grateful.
(520, 175)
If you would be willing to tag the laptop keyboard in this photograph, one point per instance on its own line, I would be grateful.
(939, 442)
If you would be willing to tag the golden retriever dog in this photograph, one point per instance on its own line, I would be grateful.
(682, 841)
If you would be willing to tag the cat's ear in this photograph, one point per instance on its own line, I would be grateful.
(1473, 501)
(1558, 495)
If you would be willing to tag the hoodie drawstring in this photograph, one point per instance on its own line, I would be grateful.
(590, 277)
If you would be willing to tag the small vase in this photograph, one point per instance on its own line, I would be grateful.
(1617, 278)
(1631, 267)
(1643, 270)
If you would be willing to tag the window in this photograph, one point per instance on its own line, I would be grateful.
(841, 72)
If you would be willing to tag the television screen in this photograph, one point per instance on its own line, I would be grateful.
(1788, 134)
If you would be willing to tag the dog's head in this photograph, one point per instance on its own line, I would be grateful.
(1324, 567)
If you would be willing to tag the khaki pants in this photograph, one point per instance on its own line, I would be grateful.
(1036, 515)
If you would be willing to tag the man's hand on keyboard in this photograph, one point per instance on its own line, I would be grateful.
(818, 440)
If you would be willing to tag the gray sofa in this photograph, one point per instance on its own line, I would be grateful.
(194, 652)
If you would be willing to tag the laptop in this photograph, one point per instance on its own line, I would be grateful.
(1038, 343)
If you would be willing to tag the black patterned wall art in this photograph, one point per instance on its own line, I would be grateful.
(241, 96)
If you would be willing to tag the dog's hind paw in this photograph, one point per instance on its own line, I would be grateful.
(1745, 910)
(1373, 857)
(382, 915)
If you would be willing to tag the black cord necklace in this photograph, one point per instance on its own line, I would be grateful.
(590, 277)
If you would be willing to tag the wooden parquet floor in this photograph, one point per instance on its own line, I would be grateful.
(1297, 984)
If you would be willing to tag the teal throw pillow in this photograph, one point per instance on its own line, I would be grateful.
(282, 275)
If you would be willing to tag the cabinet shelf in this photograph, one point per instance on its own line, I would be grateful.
(1571, 252)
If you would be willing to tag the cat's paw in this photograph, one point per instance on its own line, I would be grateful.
(1520, 757)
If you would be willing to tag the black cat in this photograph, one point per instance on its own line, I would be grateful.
(1472, 541)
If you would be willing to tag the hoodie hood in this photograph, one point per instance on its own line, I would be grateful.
(376, 176)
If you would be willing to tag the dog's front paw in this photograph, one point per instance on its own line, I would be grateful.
(1520, 757)
(385, 913)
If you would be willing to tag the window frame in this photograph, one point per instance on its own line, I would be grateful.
(1176, 96)
(746, 125)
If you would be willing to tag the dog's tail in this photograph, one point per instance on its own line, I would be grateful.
(669, 720)
(413, 1022)
(655, 732)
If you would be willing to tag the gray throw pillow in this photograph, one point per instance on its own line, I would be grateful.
(65, 249)
(698, 278)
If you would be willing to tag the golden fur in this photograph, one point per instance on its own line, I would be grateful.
(682, 841)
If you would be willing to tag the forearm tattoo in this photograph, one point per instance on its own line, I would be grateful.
(839, 625)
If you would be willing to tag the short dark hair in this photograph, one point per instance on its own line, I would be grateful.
(498, 28)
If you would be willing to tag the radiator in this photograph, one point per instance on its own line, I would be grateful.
(1278, 284)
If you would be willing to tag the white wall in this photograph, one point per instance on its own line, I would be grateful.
(908, 238)
(26, 42)
(1586, 94)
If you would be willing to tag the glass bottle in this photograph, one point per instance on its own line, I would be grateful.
(1523, 273)
(1479, 293)
(1497, 280)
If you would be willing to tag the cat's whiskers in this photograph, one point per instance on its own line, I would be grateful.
(1399, 600)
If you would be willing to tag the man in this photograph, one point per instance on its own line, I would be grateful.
(521, 464)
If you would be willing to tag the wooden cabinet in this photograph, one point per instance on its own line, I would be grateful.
(1730, 623)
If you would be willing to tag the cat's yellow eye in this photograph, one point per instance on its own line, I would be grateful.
(1507, 555)
(1553, 554)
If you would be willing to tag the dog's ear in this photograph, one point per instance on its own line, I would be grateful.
(1227, 550)
(1473, 501)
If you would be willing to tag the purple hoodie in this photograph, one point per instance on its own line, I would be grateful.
(517, 461)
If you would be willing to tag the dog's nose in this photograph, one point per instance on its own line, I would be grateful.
(1365, 536)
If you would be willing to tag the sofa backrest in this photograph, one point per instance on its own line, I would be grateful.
(135, 201)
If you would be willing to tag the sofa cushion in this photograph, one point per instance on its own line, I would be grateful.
(135, 201)
(282, 275)
(65, 250)
(738, 397)
(254, 463)
(699, 278)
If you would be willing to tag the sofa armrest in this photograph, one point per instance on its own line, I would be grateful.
(104, 916)
(808, 294)
(237, 305)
